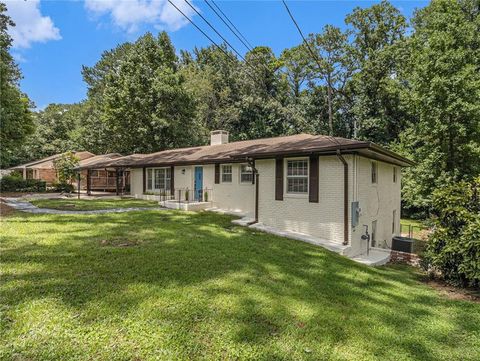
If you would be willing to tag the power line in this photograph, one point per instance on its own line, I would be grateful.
(216, 31)
(239, 36)
(314, 55)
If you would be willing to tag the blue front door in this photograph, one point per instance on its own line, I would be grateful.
(198, 191)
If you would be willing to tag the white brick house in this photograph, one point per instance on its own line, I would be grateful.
(324, 187)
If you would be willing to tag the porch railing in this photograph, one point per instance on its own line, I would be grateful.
(183, 195)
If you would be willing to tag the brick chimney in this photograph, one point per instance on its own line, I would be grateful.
(218, 137)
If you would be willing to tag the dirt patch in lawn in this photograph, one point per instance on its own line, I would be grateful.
(5, 210)
(454, 293)
(119, 243)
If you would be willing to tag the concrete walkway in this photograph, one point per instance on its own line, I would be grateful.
(25, 206)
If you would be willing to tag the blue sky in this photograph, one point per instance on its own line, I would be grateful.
(53, 39)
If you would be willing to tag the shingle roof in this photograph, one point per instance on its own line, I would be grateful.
(98, 159)
(47, 162)
(257, 148)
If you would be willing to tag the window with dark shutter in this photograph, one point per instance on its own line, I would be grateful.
(217, 173)
(279, 179)
(313, 180)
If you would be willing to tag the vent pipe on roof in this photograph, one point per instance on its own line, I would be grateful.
(218, 137)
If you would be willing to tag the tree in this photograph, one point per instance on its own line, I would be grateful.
(378, 31)
(145, 105)
(454, 246)
(332, 66)
(443, 83)
(15, 116)
(65, 167)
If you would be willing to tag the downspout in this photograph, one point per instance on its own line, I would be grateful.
(345, 196)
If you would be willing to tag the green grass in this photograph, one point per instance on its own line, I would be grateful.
(192, 286)
(89, 205)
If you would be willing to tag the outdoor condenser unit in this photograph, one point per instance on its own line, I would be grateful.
(402, 244)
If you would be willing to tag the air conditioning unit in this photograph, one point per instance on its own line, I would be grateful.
(402, 244)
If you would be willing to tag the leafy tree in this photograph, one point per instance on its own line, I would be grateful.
(145, 105)
(65, 167)
(443, 81)
(378, 32)
(333, 66)
(15, 116)
(454, 246)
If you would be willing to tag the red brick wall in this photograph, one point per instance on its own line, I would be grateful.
(403, 257)
(48, 175)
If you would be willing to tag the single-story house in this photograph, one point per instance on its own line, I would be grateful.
(101, 179)
(321, 186)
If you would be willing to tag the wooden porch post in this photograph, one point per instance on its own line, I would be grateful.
(79, 177)
(89, 180)
(117, 180)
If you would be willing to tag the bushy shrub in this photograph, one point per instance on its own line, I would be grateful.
(14, 183)
(62, 187)
(453, 248)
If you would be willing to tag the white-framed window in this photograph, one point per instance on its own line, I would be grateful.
(94, 173)
(246, 173)
(297, 176)
(394, 174)
(159, 179)
(227, 173)
(374, 172)
(394, 217)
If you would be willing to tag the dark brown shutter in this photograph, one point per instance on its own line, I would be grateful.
(144, 179)
(279, 179)
(217, 173)
(313, 180)
(172, 180)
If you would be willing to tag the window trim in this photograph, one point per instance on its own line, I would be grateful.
(286, 177)
(222, 173)
(374, 166)
(151, 179)
(250, 173)
(394, 221)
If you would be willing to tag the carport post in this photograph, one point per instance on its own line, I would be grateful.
(89, 180)
(117, 179)
(79, 177)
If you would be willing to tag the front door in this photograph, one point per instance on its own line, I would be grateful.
(198, 191)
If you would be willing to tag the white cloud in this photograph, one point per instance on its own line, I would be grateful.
(31, 26)
(130, 14)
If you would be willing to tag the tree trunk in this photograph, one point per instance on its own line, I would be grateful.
(330, 112)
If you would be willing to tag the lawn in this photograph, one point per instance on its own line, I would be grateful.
(169, 285)
(92, 204)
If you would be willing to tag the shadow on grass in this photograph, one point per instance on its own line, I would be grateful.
(221, 285)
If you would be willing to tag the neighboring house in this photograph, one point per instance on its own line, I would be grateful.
(102, 179)
(43, 169)
(325, 187)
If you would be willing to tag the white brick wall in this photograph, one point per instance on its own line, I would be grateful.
(377, 202)
(323, 219)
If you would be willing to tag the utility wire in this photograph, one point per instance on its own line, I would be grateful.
(239, 36)
(216, 31)
(314, 55)
(230, 56)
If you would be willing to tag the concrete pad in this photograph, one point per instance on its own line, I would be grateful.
(375, 257)
(330, 245)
